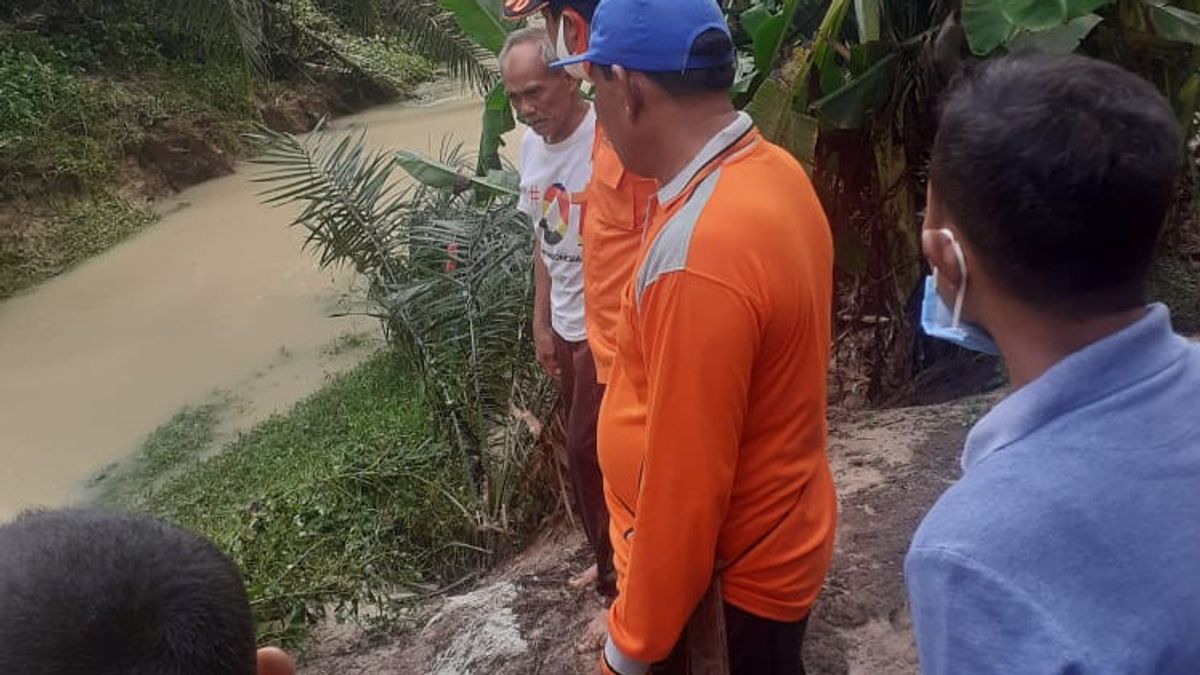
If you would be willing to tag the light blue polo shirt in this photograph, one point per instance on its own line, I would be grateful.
(1072, 542)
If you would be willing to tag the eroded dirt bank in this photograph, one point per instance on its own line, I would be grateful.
(890, 466)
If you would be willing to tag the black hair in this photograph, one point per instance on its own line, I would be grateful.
(103, 593)
(1059, 173)
(586, 8)
(709, 45)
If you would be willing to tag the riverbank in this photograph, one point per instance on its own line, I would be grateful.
(348, 521)
(53, 228)
(340, 504)
(889, 466)
(218, 291)
(102, 114)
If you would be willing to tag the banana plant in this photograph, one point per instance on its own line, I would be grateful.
(441, 176)
(482, 21)
(854, 101)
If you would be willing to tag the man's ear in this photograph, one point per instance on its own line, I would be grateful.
(575, 31)
(630, 93)
(938, 246)
(941, 256)
(273, 661)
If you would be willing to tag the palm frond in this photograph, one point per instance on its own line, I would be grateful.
(352, 208)
(436, 36)
(217, 20)
(363, 16)
(450, 279)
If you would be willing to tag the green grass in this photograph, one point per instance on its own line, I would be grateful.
(336, 504)
(348, 342)
(169, 449)
(73, 229)
(58, 129)
(68, 126)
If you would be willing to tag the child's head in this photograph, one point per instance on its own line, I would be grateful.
(103, 593)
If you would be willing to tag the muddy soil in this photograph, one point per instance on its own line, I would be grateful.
(890, 467)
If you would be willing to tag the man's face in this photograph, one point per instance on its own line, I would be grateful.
(616, 114)
(541, 97)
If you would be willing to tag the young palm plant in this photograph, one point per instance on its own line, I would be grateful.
(448, 272)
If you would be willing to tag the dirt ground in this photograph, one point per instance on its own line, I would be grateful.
(890, 466)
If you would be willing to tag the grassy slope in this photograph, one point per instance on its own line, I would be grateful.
(69, 130)
(75, 229)
(65, 133)
(333, 505)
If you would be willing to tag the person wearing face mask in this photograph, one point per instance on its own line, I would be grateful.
(615, 204)
(618, 202)
(712, 433)
(1072, 541)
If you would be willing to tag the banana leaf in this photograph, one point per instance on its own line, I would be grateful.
(480, 19)
(985, 25)
(1034, 14)
(1077, 8)
(1062, 39)
(1046, 25)
(444, 177)
(847, 107)
(1173, 23)
(774, 115)
(866, 13)
(497, 121)
(767, 35)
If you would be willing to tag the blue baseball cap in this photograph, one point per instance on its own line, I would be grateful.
(651, 35)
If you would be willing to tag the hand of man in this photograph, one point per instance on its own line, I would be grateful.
(543, 346)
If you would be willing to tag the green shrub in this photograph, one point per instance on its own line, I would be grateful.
(76, 228)
(31, 89)
(56, 128)
(336, 504)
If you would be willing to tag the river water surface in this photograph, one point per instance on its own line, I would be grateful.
(216, 297)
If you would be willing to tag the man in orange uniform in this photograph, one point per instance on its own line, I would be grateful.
(616, 208)
(712, 433)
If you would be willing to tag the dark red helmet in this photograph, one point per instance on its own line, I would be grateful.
(519, 9)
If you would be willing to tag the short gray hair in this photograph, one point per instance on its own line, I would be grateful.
(533, 35)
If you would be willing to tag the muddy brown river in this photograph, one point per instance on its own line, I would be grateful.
(216, 297)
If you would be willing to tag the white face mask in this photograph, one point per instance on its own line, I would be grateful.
(575, 70)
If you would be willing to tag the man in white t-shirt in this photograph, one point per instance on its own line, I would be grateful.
(556, 165)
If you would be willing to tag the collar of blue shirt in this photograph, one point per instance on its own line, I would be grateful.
(1134, 353)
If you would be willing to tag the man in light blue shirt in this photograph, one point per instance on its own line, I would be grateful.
(1072, 542)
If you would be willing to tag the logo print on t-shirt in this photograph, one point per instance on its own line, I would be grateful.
(556, 214)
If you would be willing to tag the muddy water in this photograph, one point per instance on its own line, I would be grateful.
(217, 296)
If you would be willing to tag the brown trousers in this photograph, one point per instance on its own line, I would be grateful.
(581, 395)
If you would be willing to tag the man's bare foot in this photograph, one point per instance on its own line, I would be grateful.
(594, 635)
(585, 579)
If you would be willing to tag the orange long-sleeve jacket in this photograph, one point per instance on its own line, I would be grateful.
(712, 434)
(617, 203)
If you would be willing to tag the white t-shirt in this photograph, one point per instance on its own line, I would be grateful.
(553, 179)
